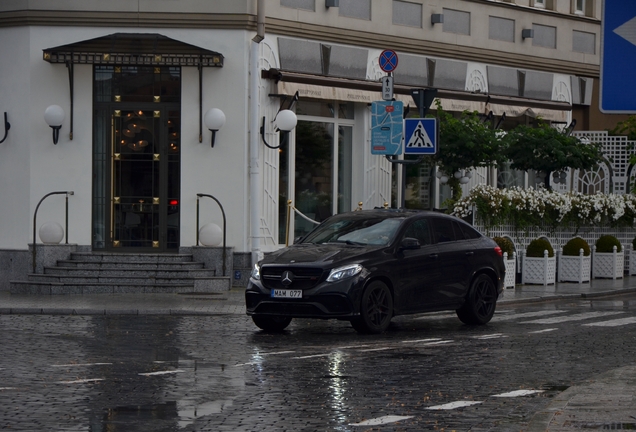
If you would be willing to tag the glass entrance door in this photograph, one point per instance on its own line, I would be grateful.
(136, 159)
(144, 210)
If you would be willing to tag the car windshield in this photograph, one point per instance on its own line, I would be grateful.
(356, 231)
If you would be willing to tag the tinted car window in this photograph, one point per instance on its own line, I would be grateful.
(443, 230)
(372, 231)
(419, 230)
(468, 231)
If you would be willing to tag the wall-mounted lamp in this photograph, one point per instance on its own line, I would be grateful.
(54, 116)
(527, 33)
(7, 126)
(286, 121)
(214, 120)
(332, 3)
(437, 19)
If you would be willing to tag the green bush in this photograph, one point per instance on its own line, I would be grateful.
(634, 244)
(575, 244)
(606, 243)
(505, 245)
(537, 246)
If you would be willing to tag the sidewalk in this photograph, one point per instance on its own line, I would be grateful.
(233, 302)
(606, 402)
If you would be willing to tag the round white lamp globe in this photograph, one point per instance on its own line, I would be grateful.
(51, 233)
(214, 119)
(210, 235)
(443, 179)
(464, 180)
(54, 115)
(286, 120)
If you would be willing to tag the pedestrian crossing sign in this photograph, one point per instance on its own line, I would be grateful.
(420, 136)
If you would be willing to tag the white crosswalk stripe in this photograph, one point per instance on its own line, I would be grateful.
(577, 317)
(526, 315)
(613, 323)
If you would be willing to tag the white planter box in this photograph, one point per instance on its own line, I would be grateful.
(540, 271)
(608, 265)
(632, 262)
(574, 268)
(511, 270)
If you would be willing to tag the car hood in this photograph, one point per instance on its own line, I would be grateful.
(325, 254)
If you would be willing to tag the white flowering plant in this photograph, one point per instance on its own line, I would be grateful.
(525, 208)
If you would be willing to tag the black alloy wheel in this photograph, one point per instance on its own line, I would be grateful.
(376, 309)
(271, 323)
(480, 303)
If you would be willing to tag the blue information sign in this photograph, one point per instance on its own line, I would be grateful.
(420, 136)
(388, 61)
(387, 127)
(618, 57)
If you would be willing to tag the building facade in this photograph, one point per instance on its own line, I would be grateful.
(135, 80)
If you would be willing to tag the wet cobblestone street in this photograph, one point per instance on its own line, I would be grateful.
(220, 373)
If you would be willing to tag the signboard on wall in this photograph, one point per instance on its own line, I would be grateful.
(387, 127)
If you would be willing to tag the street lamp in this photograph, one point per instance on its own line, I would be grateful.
(286, 121)
(54, 116)
(214, 120)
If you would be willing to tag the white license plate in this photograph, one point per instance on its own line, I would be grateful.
(281, 293)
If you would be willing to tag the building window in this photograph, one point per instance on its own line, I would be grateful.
(299, 4)
(502, 29)
(360, 9)
(583, 42)
(456, 21)
(579, 7)
(315, 167)
(539, 3)
(544, 36)
(407, 14)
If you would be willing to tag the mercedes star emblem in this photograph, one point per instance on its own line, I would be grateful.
(287, 278)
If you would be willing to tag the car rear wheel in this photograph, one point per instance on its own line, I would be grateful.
(376, 309)
(480, 302)
(271, 323)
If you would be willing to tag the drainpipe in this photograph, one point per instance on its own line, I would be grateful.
(255, 190)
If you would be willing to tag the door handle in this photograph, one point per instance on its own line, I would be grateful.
(470, 253)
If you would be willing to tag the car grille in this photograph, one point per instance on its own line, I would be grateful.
(303, 278)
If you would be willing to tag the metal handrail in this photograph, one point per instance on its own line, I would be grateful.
(35, 215)
(199, 195)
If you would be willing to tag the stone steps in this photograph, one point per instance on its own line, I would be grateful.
(95, 273)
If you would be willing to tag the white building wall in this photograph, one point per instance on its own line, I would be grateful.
(14, 151)
(31, 166)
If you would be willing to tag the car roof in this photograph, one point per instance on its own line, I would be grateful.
(392, 213)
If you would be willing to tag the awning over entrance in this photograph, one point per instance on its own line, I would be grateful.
(329, 88)
(134, 49)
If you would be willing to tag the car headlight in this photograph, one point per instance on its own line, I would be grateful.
(341, 273)
(256, 272)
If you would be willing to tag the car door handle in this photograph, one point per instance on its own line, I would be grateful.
(470, 253)
(433, 256)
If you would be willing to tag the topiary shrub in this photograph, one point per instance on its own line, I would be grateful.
(505, 245)
(537, 246)
(634, 244)
(575, 244)
(606, 243)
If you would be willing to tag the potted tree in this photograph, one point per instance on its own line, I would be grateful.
(575, 262)
(608, 258)
(632, 258)
(510, 260)
(539, 263)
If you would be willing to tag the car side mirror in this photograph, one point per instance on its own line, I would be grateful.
(298, 239)
(409, 243)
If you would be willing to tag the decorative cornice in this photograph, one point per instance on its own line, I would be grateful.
(117, 19)
(295, 29)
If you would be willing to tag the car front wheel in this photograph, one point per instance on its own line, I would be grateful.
(271, 323)
(376, 309)
(480, 302)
